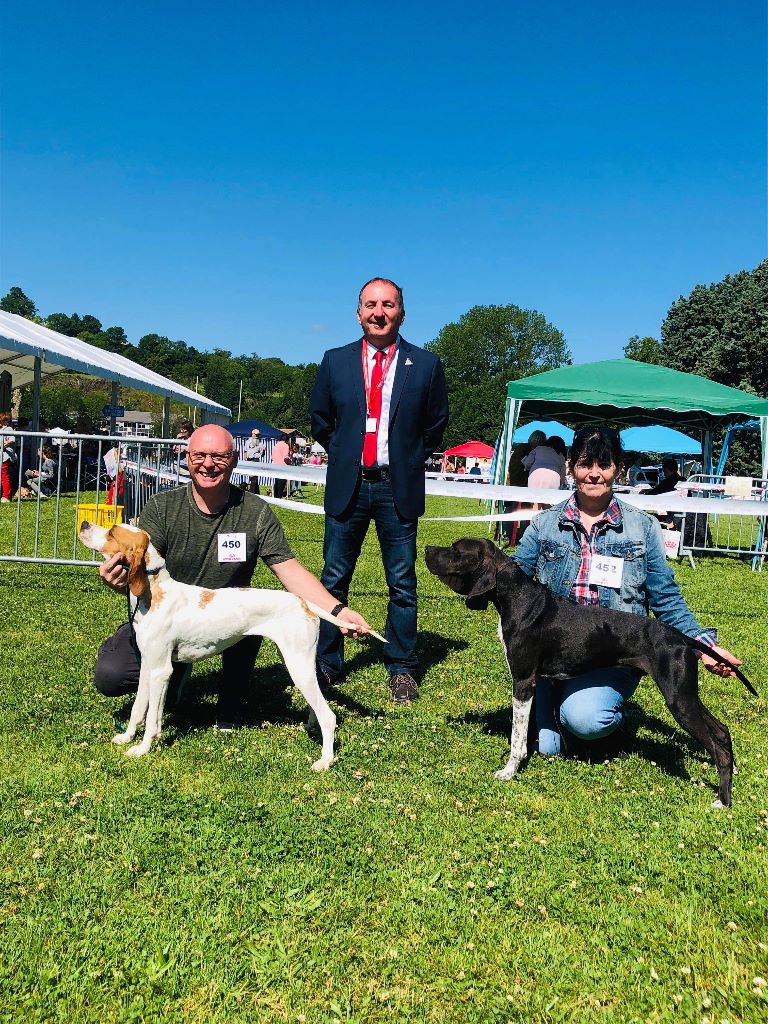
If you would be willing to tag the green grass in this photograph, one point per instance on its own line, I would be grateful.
(219, 879)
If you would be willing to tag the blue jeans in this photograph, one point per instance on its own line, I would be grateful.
(591, 706)
(344, 537)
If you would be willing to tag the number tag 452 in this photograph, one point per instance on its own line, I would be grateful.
(232, 547)
(606, 571)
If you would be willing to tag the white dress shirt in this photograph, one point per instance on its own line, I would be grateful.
(382, 441)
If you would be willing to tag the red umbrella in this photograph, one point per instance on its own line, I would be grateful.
(472, 450)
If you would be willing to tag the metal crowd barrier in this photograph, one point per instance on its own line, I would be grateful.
(104, 479)
(710, 532)
(110, 479)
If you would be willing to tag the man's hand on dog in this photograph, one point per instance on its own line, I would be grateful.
(114, 573)
(716, 666)
(357, 626)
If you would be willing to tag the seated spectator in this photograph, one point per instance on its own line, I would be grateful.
(669, 481)
(634, 469)
(40, 481)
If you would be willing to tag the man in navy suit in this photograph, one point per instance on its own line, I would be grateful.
(379, 408)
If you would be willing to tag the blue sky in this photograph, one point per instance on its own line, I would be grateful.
(231, 175)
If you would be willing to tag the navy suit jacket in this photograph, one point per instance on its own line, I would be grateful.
(418, 415)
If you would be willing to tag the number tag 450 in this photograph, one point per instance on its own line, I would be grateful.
(606, 571)
(232, 547)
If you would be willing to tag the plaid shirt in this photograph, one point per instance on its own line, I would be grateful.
(583, 592)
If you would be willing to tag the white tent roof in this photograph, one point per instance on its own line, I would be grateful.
(21, 341)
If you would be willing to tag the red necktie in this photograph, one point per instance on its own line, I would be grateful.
(374, 409)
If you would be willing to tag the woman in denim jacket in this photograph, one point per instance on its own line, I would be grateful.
(595, 550)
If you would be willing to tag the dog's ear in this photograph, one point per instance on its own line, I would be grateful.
(137, 575)
(485, 584)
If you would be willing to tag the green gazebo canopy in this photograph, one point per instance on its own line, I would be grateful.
(628, 393)
(633, 394)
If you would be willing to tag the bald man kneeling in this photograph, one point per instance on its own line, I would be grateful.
(212, 534)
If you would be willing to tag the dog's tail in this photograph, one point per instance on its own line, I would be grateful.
(706, 649)
(337, 621)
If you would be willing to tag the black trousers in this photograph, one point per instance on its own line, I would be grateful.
(116, 672)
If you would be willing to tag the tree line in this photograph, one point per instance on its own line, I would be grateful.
(272, 390)
(482, 352)
(719, 331)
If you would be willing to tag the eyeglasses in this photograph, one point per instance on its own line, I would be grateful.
(217, 458)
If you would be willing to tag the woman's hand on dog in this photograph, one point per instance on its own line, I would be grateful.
(114, 573)
(718, 668)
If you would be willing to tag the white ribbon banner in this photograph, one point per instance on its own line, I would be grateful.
(463, 488)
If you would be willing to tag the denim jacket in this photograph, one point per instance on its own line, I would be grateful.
(551, 551)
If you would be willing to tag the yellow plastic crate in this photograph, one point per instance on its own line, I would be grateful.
(101, 515)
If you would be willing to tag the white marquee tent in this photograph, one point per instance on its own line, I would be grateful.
(31, 352)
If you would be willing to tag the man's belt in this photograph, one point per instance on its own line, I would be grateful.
(375, 474)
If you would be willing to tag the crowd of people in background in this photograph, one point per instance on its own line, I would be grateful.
(26, 472)
(540, 462)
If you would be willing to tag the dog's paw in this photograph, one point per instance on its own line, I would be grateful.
(323, 764)
(138, 750)
(122, 737)
(719, 805)
(509, 771)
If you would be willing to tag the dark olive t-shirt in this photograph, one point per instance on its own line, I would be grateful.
(188, 538)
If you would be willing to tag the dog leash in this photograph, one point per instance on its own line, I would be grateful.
(132, 614)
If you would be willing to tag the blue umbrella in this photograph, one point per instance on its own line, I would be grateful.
(663, 440)
(549, 427)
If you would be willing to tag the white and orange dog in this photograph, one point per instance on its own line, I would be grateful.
(175, 622)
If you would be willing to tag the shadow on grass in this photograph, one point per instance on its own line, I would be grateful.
(268, 694)
(433, 649)
(267, 699)
(666, 745)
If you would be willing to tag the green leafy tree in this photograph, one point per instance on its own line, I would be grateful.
(485, 350)
(65, 324)
(19, 303)
(643, 350)
(720, 331)
(222, 379)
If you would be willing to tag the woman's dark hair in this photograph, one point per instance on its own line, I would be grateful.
(556, 443)
(596, 444)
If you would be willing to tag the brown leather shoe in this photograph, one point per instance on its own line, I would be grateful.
(404, 688)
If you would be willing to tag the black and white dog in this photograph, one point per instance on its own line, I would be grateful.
(550, 636)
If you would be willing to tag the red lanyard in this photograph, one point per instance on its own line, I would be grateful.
(385, 367)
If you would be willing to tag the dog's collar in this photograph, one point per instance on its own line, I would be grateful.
(509, 564)
(149, 572)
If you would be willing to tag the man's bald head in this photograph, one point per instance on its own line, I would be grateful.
(211, 438)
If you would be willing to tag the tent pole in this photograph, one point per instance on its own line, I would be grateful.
(36, 393)
(707, 452)
(113, 403)
(167, 417)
